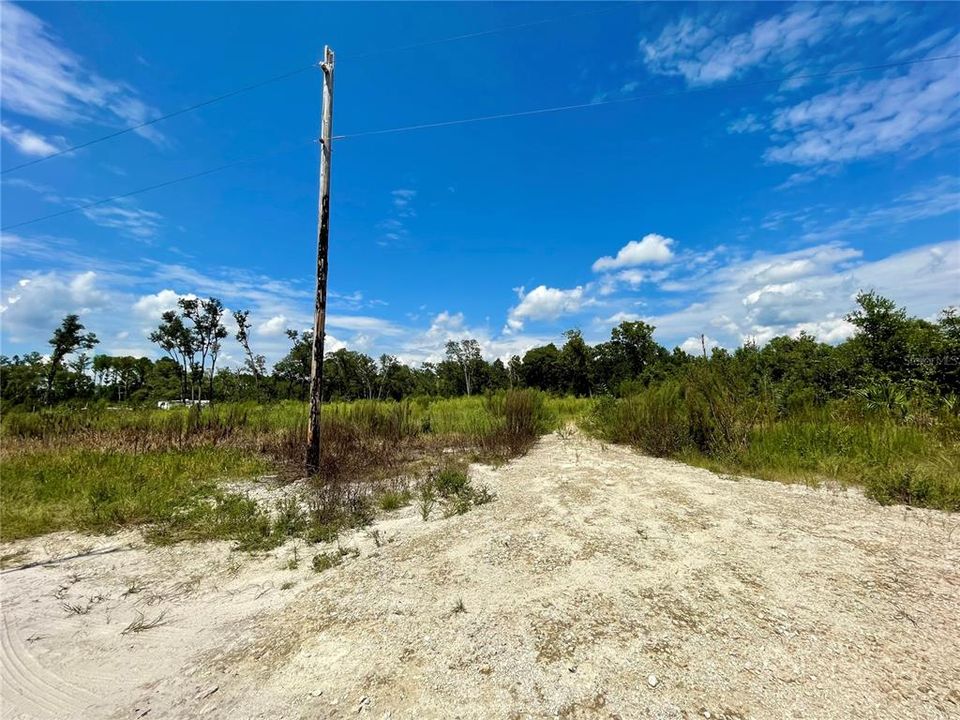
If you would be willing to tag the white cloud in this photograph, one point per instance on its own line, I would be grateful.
(29, 142)
(633, 278)
(740, 303)
(832, 330)
(446, 326)
(43, 79)
(545, 303)
(394, 227)
(127, 218)
(36, 303)
(749, 123)
(694, 345)
(653, 248)
(906, 110)
(429, 345)
(275, 326)
(402, 197)
(699, 51)
(620, 317)
(940, 196)
(150, 307)
(363, 323)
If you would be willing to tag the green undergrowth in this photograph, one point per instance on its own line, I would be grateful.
(106, 470)
(102, 491)
(903, 458)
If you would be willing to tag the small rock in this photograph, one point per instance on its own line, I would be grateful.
(652, 681)
(572, 668)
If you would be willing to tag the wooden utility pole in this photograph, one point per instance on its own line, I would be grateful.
(323, 241)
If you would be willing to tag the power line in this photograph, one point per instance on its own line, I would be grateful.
(492, 31)
(157, 186)
(634, 98)
(297, 71)
(446, 123)
(181, 111)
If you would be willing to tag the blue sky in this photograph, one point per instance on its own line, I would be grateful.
(714, 204)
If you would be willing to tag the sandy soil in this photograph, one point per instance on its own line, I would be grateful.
(599, 584)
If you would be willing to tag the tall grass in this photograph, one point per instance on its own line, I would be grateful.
(103, 490)
(104, 469)
(707, 420)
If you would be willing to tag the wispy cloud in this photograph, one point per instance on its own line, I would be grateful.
(908, 110)
(29, 142)
(699, 50)
(127, 218)
(395, 227)
(43, 79)
(940, 197)
(749, 123)
(864, 118)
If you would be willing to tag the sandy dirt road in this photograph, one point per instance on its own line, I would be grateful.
(599, 584)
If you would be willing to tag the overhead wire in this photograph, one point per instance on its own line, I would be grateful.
(635, 98)
(446, 123)
(157, 186)
(491, 31)
(161, 118)
(296, 71)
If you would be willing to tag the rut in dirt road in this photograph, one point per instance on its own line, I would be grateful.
(600, 583)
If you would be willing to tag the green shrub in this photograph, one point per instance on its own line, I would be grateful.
(326, 560)
(451, 480)
(393, 499)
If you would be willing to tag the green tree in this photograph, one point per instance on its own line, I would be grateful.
(576, 361)
(176, 340)
(255, 364)
(294, 368)
(541, 368)
(466, 354)
(66, 340)
(881, 327)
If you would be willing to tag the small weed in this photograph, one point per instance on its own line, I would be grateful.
(351, 552)
(457, 505)
(426, 499)
(393, 500)
(376, 537)
(482, 495)
(141, 623)
(459, 607)
(451, 480)
(326, 560)
(75, 609)
(134, 588)
(290, 519)
(287, 585)
(234, 566)
(294, 562)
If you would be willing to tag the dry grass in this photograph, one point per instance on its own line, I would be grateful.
(102, 471)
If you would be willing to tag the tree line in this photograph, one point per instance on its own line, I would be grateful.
(889, 349)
